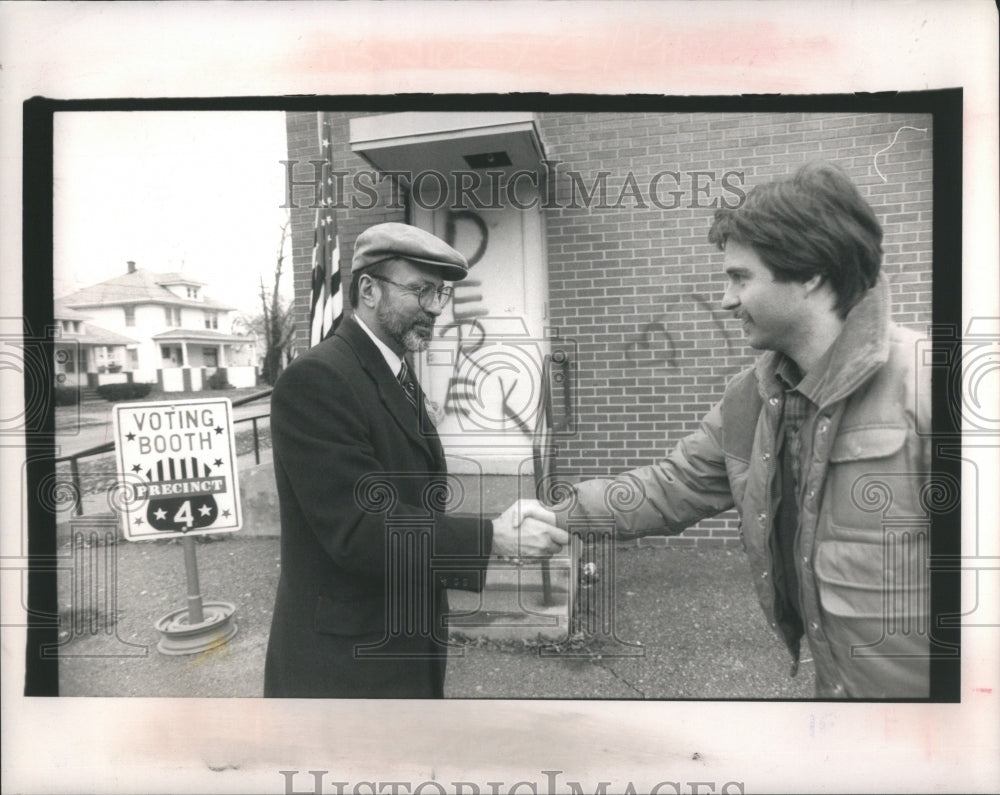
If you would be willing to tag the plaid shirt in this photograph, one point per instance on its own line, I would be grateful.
(799, 408)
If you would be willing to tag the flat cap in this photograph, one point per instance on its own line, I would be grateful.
(389, 241)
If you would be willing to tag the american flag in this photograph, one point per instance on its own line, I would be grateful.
(327, 302)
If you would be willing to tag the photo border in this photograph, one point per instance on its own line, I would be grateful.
(139, 745)
(943, 106)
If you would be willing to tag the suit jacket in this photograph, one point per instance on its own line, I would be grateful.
(366, 554)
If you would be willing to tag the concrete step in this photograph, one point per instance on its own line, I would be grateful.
(512, 606)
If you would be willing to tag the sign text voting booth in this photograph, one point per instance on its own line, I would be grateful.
(178, 464)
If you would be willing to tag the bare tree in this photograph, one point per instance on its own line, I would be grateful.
(276, 323)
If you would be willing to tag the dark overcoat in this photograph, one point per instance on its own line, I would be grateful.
(366, 551)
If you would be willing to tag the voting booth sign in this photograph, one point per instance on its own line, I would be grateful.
(178, 466)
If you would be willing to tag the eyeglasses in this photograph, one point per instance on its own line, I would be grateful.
(430, 296)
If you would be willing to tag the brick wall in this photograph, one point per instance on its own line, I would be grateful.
(636, 285)
(303, 146)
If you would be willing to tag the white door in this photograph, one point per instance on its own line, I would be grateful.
(484, 368)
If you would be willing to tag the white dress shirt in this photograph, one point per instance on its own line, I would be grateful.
(394, 361)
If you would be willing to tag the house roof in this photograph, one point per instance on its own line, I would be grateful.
(199, 335)
(142, 286)
(178, 278)
(89, 334)
(95, 335)
(62, 312)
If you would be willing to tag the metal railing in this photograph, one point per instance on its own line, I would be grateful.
(107, 447)
(543, 442)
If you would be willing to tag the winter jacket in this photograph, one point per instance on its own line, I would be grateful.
(863, 539)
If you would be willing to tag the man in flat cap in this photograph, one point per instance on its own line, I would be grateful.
(366, 552)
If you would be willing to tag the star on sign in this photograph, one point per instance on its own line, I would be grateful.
(217, 462)
(226, 513)
(159, 513)
(218, 429)
(138, 520)
(204, 510)
(136, 467)
(130, 436)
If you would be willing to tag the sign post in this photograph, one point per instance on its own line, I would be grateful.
(178, 461)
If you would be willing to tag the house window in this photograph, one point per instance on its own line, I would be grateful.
(210, 357)
(133, 359)
(173, 314)
(211, 320)
(130, 316)
(192, 292)
(172, 354)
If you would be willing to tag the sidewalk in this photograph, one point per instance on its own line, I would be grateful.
(687, 625)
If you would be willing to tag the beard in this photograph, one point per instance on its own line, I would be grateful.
(412, 341)
(411, 335)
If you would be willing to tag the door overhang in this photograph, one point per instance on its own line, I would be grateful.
(448, 142)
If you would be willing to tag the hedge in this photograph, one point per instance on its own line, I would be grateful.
(218, 380)
(67, 395)
(116, 392)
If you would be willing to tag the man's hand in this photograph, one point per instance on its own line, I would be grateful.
(527, 529)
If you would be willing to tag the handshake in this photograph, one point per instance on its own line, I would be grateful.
(527, 529)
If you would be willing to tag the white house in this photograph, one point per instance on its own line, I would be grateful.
(82, 348)
(164, 329)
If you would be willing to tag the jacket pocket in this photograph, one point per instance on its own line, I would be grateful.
(859, 442)
(875, 600)
(870, 590)
(354, 617)
(850, 579)
(869, 481)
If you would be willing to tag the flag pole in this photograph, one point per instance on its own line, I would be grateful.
(326, 302)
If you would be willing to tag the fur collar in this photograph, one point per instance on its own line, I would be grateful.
(858, 352)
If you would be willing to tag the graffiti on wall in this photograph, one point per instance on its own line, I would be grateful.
(492, 382)
(495, 378)
(664, 343)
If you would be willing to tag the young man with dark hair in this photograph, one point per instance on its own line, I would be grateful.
(833, 408)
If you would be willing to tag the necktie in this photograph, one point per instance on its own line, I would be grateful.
(405, 378)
